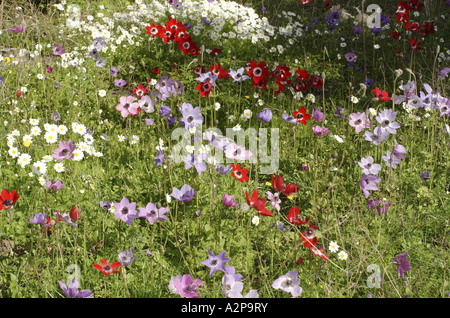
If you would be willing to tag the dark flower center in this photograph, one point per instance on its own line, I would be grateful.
(126, 106)
(214, 262)
(386, 123)
(124, 210)
(238, 174)
(299, 116)
(65, 152)
(107, 268)
(190, 119)
(237, 152)
(257, 71)
(8, 203)
(358, 122)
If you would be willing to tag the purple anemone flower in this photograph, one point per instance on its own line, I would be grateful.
(65, 150)
(113, 71)
(351, 57)
(37, 218)
(58, 50)
(425, 175)
(191, 116)
(159, 159)
(228, 200)
(274, 199)
(185, 194)
(338, 113)
(377, 137)
(54, 185)
(368, 166)
(359, 121)
(282, 227)
(386, 120)
(265, 115)
(147, 104)
(127, 106)
(369, 182)
(231, 286)
(101, 62)
(165, 110)
(18, 29)
(289, 119)
(320, 131)
(120, 83)
(197, 162)
(317, 115)
(72, 290)
(289, 283)
(402, 264)
(222, 169)
(215, 262)
(105, 205)
(126, 211)
(238, 76)
(126, 257)
(391, 160)
(152, 213)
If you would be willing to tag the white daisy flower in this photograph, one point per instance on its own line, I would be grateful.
(47, 158)
(34, 122)
(237, 127)
(51, 137)
(342, 255)
(13, 152)
(102, 93)
(62, 129)
(39, 168)
(78, 155)
(255, 220)
(35, 131)
(24, 159)
(333, 246)
(134, 139)
(121, 138)
(59, 167)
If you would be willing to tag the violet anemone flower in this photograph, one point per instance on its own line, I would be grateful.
(391, 160)
(37, 218)
(289, 283)
(147, 104)
(274, 199)
(72, 290)
(126, 257)
(65, 150)
(265, 115)
(159, 159)
(17, 29)
(191, 116)
(369, 182)
(238, 76)
(320, 131)
(377, 137)
(54, 185)
(368, 166)
(386, 120)
(222, 169)
(153, 214)
(402, 264)
(58, 50)
(289, 119)
(318, 115)
(185, 194)
(125, 210)
(215, 262)
(359, 121)
(228, 200)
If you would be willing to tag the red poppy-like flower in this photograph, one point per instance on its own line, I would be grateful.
(414, 44)
(299, 261)
(239, 173)
(181, 35)
(381, 95)
(281, 72)
(173, 24)
(401, 17)
(107, 269)
(319, 252)
(302, 116)
(415, 5)
(194, 49)
(302, 75)
(140, 91)
(199, 69)
(425, 29)
(327, 4)
(316, 81)
(306, 1)
(19, 94)
(258, 71)
(186, 45)
(7, 199)
(154, 29)
(205, 88)
(258, 204)
(75, 213)
(300, 86)
(262, 84)
(156, 70)
(309, 237)
(294, 217)
(219, 72)
(48, 225)
(215, 51)
(279, 186)
(396, 35)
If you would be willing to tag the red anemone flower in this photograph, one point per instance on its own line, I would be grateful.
(403, 7)
(414, 44)
(396, 35)
(302, 75)
(300, 86)
(316, 81)
(258, 204)
(401, 17)
(219, 72)
(181, 35)
(319, 252)
(48, 224)
(7, 199)
(309, 237)
(327, 4)
(258, 71)
(279, 186)
(205, 88)
(75, 213)
(156, 70)
(294, 217)
(215, 51)
(199, 69)
(415, 5)
(154, 29)
(140, 91)
(306, 1)
(302, 116)
(382, 95)
(107, 269)
(239, 173)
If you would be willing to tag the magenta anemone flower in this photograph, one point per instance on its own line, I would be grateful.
(18, 29)
(228, 200)
(65, 150)
(318, 115)
(58, 50)
(185, 286)
(320, 131)
(54, 185)
(402, 264)
(127, 106)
